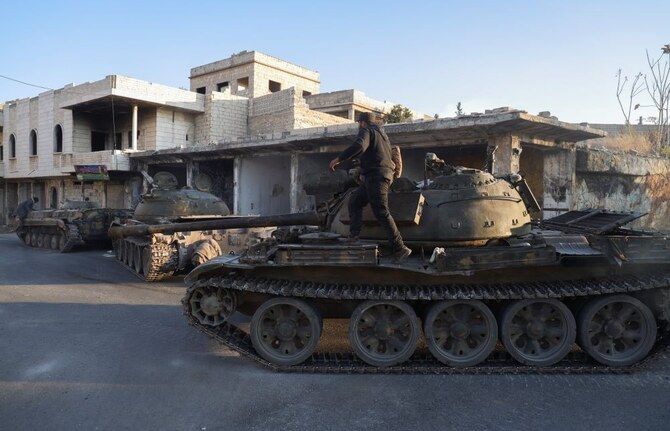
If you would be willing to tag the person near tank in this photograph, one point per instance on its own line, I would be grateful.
(373, 148)
(24, 209)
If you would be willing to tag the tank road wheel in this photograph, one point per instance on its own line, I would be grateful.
(40, 240)
(538, 332)
(383, 333)
(460, 333)
(62, 241)
(46, 242)
(617, 330)
(130, 252)
(34, 238)
(146, 260)
(54, 241)
(285, 331)
(27, 238)
(137, 258)
(126, 247)
(211, 305)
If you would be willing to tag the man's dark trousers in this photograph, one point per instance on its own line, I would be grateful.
(374, 191)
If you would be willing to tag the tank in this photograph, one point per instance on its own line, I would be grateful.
(487, 288)
(77, 223)
(146, 246)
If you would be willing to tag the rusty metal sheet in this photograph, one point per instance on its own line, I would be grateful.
(571, 245)
(593, 221)
(300, 254)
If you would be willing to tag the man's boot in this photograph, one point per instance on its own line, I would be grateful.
(402, 254)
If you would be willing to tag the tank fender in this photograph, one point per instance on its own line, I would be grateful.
(216, 266)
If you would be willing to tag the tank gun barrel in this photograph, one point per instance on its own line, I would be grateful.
(233, 222)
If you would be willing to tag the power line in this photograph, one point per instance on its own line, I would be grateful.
(26, 83)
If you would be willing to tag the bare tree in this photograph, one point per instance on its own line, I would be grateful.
(459, 109)
(658, 87)
(637, 86)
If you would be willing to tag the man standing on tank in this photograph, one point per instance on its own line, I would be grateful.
(24, 209)
(373, 149)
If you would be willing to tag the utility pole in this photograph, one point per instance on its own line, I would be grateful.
(666, 50)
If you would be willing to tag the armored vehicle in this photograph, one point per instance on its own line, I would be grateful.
(147, 246)
(486, 288)
(75, 224)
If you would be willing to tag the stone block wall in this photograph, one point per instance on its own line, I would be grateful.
(172, 129)
(41, 114)
(284, 111)
(225, 118)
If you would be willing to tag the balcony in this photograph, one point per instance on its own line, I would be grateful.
(113, 160)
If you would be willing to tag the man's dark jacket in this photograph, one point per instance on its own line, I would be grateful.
(373, 149)
(24, 208)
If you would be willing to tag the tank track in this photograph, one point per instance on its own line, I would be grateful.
(162, 257)
(499, 362)
(73, 238)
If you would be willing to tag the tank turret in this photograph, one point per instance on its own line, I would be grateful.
(453, 205)
(168, 203)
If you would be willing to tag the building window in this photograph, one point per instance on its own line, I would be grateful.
(306, 93)
(12, 146)
(274, 86)
(243, 84)
(58, 139)
(118, 138)
(201, 90)
(221, 86)
(98, 140)
(2, 155)
(33, 142)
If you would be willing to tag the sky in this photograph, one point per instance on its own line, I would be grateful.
(559, 56)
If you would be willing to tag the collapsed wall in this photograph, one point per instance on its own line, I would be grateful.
(625, 182)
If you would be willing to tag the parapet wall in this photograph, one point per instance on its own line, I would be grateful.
(285, 110)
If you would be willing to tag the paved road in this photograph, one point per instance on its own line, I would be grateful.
(84, 345)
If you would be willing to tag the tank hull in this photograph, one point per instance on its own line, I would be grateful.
(565, 272)
(158, 256)
(65, 230)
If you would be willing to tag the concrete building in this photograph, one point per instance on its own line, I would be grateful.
(48, 138)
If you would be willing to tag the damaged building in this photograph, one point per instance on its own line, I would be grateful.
(256, 131)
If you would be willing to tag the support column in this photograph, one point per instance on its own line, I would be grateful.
(294, 194)
(133, 145)
(503, 155)
(559, 181)
(191, 173)
(237, 165)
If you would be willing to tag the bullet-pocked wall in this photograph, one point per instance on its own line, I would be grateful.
(263, 184)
